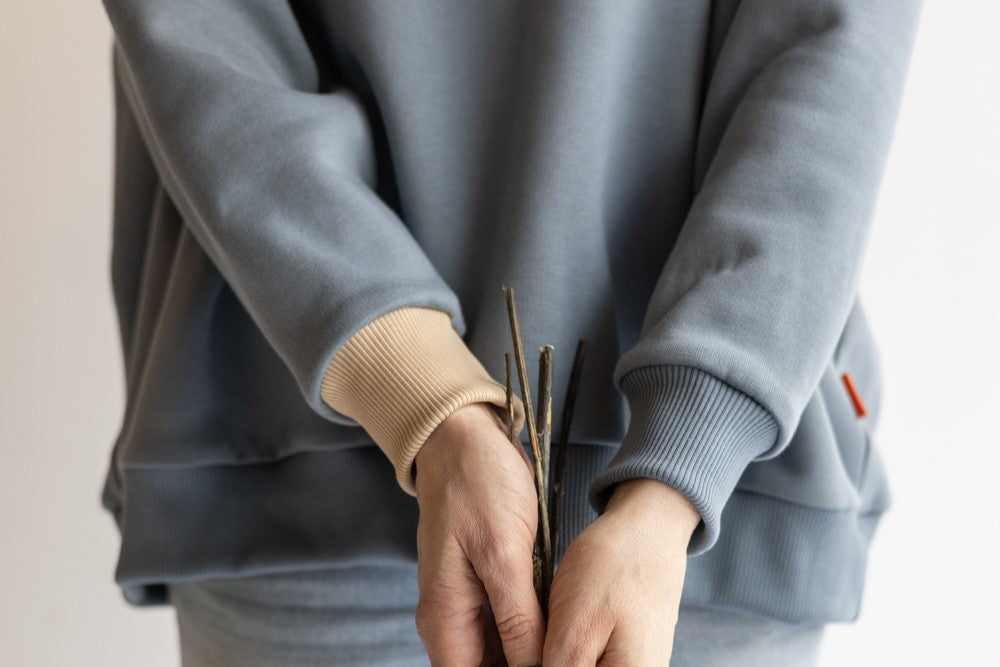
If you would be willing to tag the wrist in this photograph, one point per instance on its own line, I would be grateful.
(658, 499)
(463, 423)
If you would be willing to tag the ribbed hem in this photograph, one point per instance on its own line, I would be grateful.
(400, 375)
(322, 509)
(795, 563)
(691, 430)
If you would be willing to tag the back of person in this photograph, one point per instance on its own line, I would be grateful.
(317, 207)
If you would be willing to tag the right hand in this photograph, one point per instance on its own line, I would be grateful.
(478, 518)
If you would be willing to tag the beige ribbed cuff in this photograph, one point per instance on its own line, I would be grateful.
(401, 374)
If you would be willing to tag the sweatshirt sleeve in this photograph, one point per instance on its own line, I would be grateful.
(799, 112)
(276, 179)
(402, 374)
(273, 177)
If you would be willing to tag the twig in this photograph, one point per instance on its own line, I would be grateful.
(563, 445)
(540, 486)
(545, 364)
(510, 401)
(544, 419)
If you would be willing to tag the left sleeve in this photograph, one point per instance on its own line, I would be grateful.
(797, 121)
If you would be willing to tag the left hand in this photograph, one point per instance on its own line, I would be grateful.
(615, 595)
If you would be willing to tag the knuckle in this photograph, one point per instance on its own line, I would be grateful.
(501, 557)
(515, 627)
(566, 656)
(569, 644)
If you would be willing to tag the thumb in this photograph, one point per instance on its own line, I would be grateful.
(507, 575)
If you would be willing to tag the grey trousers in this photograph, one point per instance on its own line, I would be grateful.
(363, 615)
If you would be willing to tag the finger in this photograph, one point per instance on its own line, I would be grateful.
(581, 648)
(626, 648)
(575, 636)
(493, 653)
(448, 610)
(507, 574)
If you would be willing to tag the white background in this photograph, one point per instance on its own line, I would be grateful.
(931, 284)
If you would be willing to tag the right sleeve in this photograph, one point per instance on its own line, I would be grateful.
(401, 375)
(274, 178)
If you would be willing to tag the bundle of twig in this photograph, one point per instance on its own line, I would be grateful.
(540, 438)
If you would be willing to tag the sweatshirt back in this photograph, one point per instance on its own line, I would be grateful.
(317, 206)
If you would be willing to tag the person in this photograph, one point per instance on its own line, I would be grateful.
(316, 209)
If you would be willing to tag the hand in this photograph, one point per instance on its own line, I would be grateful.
(478, 517)
(616, 592)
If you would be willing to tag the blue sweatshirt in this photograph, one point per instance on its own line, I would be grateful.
(316, 208)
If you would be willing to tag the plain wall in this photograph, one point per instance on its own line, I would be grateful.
(931, 284)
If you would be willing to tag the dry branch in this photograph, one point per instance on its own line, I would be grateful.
(540, 438)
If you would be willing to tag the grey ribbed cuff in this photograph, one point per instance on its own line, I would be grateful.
(692, 431)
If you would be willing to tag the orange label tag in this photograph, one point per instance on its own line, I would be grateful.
(859, 407)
